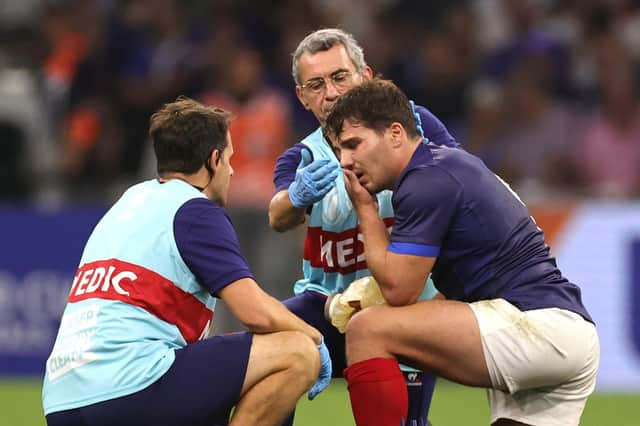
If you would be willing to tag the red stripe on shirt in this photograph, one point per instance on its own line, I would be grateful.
(341, 252)
(114, 279)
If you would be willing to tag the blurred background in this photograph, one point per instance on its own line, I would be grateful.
(546, 92)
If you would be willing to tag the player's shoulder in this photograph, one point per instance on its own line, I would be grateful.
(200, 209)
(446, 154)
(425, 179)
(429, 153)
(452, 169)
(432, 168)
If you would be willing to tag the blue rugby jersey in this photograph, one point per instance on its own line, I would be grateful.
(145, 287)
(449, 205)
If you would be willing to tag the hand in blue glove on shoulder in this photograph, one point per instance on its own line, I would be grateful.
(313, 180)
(325, 372)
(418, 119)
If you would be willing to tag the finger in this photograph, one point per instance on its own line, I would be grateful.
(313, 392)
(320, 170)
(351, 180)
(349, 175)
(306, 158)
(347, 180)
(416, 115)
(328, 178)
(323, 190)
(317, 165)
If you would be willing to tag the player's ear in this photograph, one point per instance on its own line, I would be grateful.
(304, 103)
(397, 133)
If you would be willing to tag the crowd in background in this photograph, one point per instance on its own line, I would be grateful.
(545, 91)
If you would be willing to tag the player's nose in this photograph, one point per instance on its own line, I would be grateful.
(346, 162)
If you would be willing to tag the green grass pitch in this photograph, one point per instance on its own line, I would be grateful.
(453, 405)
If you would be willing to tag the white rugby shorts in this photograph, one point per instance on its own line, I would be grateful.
(542, 362)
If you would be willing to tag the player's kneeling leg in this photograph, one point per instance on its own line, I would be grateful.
(377, 388)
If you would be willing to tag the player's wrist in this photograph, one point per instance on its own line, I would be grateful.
(367, 210)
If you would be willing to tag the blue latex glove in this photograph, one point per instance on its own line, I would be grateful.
(418, 119)
(313, 180)
(325, 372)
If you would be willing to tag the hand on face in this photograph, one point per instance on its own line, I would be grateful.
(359, 195)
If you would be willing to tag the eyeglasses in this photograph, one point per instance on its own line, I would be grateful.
(341, 80)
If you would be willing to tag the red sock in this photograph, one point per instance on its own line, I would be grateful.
(378, 392)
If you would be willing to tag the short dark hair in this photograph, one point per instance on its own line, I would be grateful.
(185, 133)
(375, 104)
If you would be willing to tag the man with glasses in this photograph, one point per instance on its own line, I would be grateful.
(308, 180)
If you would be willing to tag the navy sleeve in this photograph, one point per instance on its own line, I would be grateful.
(209, 245)
(285, 171)
(424, 204)
(434, 129)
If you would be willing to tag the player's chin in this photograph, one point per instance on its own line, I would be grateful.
(371, 187)
(364, 182)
